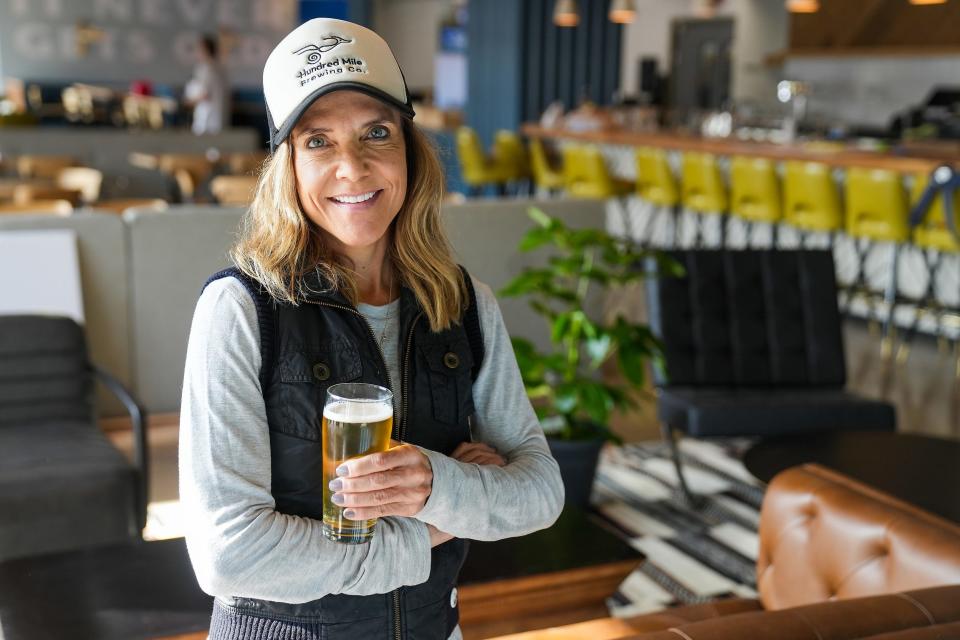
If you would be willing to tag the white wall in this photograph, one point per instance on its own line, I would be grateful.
(870, 90)
(140, 39)
(412, 29)
(760, 28)
(649, 35)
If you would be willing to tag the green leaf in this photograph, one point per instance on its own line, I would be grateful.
(565, 398)
(542, 219)
(632, 366)
(597, 348)
(558, 329)
(535, 238)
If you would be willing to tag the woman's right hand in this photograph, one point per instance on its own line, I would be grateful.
(437, 537)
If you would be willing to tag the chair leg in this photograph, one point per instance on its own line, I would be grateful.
(671, 437)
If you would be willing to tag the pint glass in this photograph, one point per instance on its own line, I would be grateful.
(357, 421)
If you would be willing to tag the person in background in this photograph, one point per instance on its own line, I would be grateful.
(208, 91)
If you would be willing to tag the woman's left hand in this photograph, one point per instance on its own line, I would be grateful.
(396, 482)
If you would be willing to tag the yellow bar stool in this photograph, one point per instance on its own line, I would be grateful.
(876, 212)
(545, 176)
(477, 170)
(811, 201)
(755, 194)
(933, 236)
(703, 191)
(657, 185)
(585, 175)
(510, 157)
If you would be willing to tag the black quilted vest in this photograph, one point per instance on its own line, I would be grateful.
(307, 348)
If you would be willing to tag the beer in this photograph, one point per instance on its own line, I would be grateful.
(357, 421)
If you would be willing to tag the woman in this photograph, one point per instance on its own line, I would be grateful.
(344, 274)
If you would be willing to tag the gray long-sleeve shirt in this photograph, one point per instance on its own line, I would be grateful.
(241, 546)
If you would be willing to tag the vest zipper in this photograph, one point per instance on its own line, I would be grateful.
(403, 411)
(396, 614)
(405, 377)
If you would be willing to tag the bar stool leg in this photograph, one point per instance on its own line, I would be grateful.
(888, 331)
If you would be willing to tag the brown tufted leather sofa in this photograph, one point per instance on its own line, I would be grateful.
(838, 560)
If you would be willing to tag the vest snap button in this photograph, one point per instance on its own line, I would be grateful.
(451, 360)
(453, 598)
(321, 371)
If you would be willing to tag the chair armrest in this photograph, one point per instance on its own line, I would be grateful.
(138, 419)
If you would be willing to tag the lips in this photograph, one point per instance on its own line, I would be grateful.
(355, 198)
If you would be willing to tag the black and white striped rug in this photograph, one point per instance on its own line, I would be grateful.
(692, 555)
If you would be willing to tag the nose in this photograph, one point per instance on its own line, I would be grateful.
(352, 164)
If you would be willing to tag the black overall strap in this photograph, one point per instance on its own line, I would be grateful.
(471, 325)
(264, 305)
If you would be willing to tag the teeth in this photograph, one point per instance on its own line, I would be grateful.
(363, 197)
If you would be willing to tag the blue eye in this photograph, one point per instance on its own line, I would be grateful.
(315, 143)
(379, 132)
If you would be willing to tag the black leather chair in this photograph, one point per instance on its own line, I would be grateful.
(753, 347)
(63, 485)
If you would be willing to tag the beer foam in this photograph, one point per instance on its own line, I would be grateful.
(347, 411)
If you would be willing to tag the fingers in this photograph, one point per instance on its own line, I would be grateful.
(466, 447)
(379, 497)
(397, 457)
(407, 476)
(483, 457)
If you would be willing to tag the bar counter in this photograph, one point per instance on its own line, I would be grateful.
(901, 161)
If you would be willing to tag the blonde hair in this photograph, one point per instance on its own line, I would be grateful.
(279, 244)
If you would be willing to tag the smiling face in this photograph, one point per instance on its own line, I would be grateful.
(350, 162)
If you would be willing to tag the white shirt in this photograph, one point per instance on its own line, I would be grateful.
(209, 87)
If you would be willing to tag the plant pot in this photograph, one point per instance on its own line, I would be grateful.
(578, 466)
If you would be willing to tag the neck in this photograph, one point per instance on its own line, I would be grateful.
(374, 277)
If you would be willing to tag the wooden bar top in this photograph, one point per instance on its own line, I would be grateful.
(907, 161)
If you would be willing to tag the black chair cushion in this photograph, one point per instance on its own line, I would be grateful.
(44, 373)
(62, 488)
(706, 412)
(749, 318)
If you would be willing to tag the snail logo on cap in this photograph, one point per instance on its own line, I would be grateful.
(324, 55)
(313, 51)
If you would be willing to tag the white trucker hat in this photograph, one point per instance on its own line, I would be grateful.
(323, 55)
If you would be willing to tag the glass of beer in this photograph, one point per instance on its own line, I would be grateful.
(357, 421)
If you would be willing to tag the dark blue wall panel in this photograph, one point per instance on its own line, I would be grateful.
(519, 62)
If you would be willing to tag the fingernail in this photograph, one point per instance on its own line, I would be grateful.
(348, 513)
(343, 470)
(336, 485)
(337, 498)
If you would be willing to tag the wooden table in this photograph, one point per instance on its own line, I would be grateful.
(8, 185)
(148, 590)
(905, 161)
(920, 470)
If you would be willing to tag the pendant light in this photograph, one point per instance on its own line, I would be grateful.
(927, 1)
(803, 6)
(565, 13)
(622, 11)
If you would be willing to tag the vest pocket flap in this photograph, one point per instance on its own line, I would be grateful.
(449, 357)
(336, 362)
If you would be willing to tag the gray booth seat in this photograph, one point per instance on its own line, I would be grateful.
(174, 251)
(102, 252)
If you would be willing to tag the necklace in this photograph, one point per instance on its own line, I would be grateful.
(386, 320)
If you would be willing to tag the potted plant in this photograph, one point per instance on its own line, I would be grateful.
(571, 398)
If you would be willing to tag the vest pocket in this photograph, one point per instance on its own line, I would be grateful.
(449, 367)
(305, 376)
